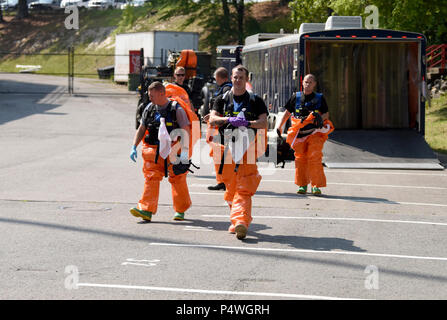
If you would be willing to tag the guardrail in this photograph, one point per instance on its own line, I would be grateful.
(436, 56)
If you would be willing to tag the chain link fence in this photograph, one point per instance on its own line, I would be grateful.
(66, 72)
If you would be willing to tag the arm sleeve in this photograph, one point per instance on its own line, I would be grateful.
(144, 116)
(182, 118)
(218, 105)
(260, 106)
(291, 104)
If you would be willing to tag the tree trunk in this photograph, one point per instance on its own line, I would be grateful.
(226, 16)
(240, 9)
(1, 14)
(22, 10)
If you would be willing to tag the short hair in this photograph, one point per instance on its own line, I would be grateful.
(240, 68)
(310, 75)
(179, 68)
(157, 86)
(221, 73)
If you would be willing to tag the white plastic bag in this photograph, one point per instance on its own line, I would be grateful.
(165, 139)
(241, 142)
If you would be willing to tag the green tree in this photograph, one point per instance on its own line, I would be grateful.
(426, 17)
(224, 18)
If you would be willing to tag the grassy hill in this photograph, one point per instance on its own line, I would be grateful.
(45, 33)
(436, 124)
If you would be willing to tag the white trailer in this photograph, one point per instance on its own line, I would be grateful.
(156, 45)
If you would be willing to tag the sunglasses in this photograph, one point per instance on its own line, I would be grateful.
(180, 74)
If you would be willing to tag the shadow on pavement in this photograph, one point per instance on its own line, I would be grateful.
(23, 104)
(324, 196)
(266, 255)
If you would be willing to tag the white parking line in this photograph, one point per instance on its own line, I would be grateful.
(366, 185)
(221, 292)
(328, 218)
(383, 255)
(406, 173)
(339, 184)
(193, 228)
(323, 198)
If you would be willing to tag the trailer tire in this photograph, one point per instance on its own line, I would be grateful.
(205, 109)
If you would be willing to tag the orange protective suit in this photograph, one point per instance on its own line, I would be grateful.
(154, 172)
(309, 152)
(240, 185)
(210, 132)
(188, 60)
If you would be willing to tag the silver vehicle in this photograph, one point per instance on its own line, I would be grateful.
(132, 3)
(44, 5)
(101, 4)
(78, 3)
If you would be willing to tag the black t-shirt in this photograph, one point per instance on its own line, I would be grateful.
(291, 104)
(184, 86)
(257, 108)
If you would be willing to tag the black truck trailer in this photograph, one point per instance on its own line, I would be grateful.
(373, 81)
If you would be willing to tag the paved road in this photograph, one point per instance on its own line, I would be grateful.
(66, 184)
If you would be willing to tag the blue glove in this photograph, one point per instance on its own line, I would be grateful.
(238, 122)
(133, 153)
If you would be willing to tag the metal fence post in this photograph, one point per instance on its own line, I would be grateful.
(70, 69)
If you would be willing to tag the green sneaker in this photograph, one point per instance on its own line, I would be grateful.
(316, 191)
(302, 190)
(179, 216)
(145, 215)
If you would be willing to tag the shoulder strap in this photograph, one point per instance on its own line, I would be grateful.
(298, 99)
(317, 99)
(173, 108)
(228, 98)
(252, 97)
(150, 110)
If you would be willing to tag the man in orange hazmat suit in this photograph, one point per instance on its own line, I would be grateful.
(221, 76)
(307, 135)
(161, 154)
(240, 116)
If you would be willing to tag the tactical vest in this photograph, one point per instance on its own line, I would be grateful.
(153, 120)
(220, 90)
(302, 109)
(247, 103)
(231, 111)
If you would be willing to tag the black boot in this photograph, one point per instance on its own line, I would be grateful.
(220, 186)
